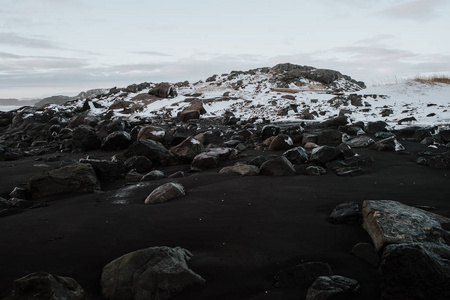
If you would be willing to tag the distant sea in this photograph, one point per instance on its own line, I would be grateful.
(8, 107)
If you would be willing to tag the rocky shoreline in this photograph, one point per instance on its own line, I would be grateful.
(220, 208)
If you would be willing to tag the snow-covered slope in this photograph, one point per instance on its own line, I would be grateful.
(284, 93)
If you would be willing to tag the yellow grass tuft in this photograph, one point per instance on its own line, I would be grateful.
(433, 79)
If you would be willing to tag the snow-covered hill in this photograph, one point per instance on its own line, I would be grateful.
(284, 93)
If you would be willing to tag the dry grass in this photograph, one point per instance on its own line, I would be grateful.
(433, 79)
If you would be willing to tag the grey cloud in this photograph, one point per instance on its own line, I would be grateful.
(17, 40)
(417, 10)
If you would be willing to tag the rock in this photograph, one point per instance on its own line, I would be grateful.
(7, 154)
(279, 166)
(72, 178)
(205, 160)
(19, 193)
(281, 142)
(391, 222)
(348, 151)
(133, 175)
(360, 142)
(367, 252)
(164, 90)
(85, 138)
(374, 127)
(330, 137)
(116, 140)
(389, 144)
(140, 164)
(310, 145)
(422, 161)
(155, 273)
(4, 203)
(355, 130)
(268, 131)
(187, 150)
(406, 120)
(257, 161)
(296, 155)
(187, 115)
(315, 171)
(355, 99)
(302, 275)
(152, 133)
(243, 169)
(422, 133)
(346, 213)
(177, 174)
(336, 122)
(153, 175)
(324, 154)
(355, 161)
(332, 287)
(153, 150)
(444, 136)
(41, 285)
(309, 138)
(349, 171)
(419, 271)
(441, 161)
(386, 112)
(105, 170)
(165, 193)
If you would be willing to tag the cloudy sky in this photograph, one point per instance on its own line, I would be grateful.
(66, 46)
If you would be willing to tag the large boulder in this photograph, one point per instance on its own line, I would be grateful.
(419, 271)
(187, 149)
(164, 90)
(281, 142)
(243, 169)
(155, 273)
(374, 127)
(153, 150)
(269, 130)
(205, 160)
(187, 115)
(391, 222)
(70, 178)
(297, 155)
(140, 164)
(362, 141)
(388, 144)
(45, 286)
(116, 140)
(330, 137)
(332, 287)
(85, 138)
(336, 122)
(324, 154)
(152, 133)
(104, 169)
(279, 166)
(165, 193)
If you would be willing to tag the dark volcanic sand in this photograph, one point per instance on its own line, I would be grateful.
(241, 230)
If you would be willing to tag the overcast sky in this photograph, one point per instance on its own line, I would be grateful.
(67, 46)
